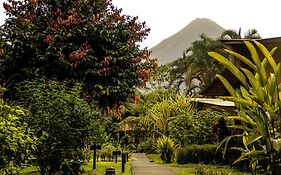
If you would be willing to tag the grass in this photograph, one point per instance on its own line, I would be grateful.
(191, 169)
(100, 168)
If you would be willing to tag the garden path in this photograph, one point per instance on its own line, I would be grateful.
(142, 166)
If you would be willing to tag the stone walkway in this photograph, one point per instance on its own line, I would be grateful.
(142, 166)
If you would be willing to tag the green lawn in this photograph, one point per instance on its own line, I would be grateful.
(190, 169)
(100, 168)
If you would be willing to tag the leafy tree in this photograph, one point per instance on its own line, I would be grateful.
(17, 139)
(259, 107)
(87, 41)
(69, 123)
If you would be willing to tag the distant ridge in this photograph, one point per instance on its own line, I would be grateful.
(172, 48)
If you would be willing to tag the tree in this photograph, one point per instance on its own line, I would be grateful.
(196, 68)
(17, 139)
(63, 121)
(259, 107)
(232, 34)
(83, 41)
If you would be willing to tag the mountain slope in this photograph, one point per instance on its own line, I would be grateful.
(172, 48)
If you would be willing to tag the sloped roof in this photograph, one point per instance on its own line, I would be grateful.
(214, 101)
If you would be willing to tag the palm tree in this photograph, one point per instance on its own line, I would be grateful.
(232, 34)
(195, 67)
(252, 34)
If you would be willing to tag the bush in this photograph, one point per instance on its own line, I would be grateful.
(106, 152)
(166, 148)
(17, 139)
(194, 127)
(199, 154)
(147, 146)
(69, 122)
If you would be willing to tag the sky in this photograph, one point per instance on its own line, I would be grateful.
(166, 17)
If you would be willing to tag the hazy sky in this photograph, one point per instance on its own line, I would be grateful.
(166, 17)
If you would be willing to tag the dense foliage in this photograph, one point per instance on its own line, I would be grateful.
(17, 139)
(259, 106)
(199, 154)
(162, 113)
(194, 127)
(86, 41)
(65, 122)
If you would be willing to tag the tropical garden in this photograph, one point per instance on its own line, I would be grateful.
(72, 74)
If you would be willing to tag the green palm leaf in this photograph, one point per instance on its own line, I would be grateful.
(227, 85)
(255, 83)
(267, 54)
(234, 70)
(240, 101)
(243, 59)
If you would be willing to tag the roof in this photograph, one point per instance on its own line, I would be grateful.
(214, 101)
(240, 41)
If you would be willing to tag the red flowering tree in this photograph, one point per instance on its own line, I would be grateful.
(87, 41)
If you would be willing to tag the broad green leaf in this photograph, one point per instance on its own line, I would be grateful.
(270, 111)
(240, 118)
(267, 54)
(276, 144)
(226, 140)
(244, 140)
(256, 85)
(240, 101)
(241, 158)
(243, 59)
(265, 61)
(245, 93)
(249, 119)
(252, 138)
(257, 61)
(272, 81)
(254, 53)
(234, 70)
(227, 85)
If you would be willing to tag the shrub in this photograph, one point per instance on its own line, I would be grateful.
(16, 138)
(147, 146)
(166, 148)
(106, 152)
(199, 154)
(69, 122)
(194, 127)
